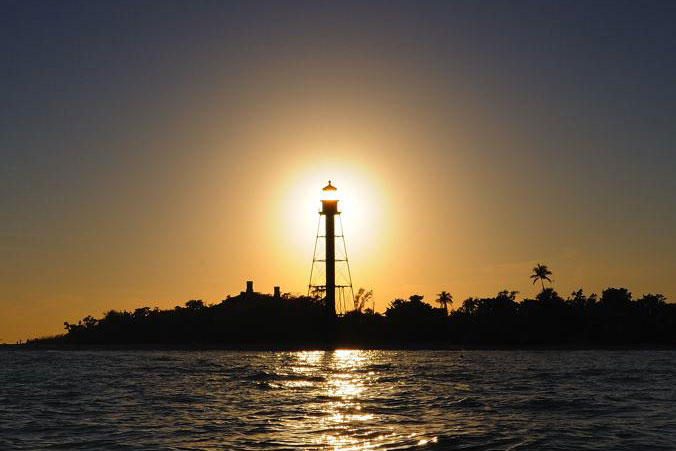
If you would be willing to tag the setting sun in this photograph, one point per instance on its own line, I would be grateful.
(362, 200)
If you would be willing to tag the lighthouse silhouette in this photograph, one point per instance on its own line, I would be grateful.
(328, 213)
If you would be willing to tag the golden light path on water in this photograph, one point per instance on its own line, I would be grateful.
(342, 400)
(339, 418)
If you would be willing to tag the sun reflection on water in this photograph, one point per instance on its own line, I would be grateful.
(341, 417)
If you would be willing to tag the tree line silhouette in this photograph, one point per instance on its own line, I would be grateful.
(256, 319)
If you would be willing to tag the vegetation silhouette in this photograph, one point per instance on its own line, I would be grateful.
(253, 319)
(541, 273)
(362, 299)
(444, 299)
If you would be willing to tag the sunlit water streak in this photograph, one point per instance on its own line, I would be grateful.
(342, 400)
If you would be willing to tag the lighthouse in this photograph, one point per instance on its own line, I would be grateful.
(330, 210)
(329, 287)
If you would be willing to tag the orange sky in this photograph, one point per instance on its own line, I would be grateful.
(182, 168)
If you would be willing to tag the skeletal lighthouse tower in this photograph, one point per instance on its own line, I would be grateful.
(328, 212)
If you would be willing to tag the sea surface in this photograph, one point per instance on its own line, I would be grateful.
(338, 400)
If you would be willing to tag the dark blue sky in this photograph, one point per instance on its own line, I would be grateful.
(568, 71)
(549, 125)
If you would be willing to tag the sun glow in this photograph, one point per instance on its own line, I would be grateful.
(362, 201)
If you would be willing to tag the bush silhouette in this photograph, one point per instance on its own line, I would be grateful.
(255, 319)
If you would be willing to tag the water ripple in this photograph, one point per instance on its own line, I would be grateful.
(339, 400)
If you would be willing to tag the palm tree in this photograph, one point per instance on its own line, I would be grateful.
(444, 299)
(541, 273)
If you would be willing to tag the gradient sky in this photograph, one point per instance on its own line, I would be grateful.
(155, 152)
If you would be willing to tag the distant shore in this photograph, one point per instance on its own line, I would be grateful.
(389, 347)
(258, 322)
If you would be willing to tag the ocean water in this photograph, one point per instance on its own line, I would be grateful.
(338, 400)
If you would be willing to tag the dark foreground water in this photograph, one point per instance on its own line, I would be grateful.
(338, 400)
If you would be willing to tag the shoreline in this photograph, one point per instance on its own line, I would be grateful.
(313, 347)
